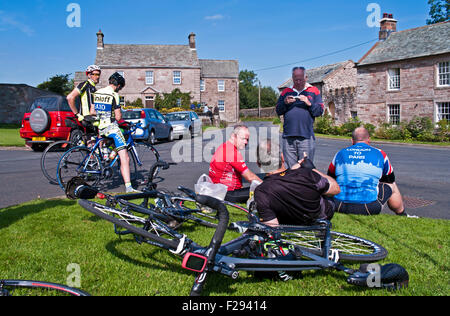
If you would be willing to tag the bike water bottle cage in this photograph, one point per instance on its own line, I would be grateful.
(194, 262)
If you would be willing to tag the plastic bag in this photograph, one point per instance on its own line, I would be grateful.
(205, 186)
(251, 197)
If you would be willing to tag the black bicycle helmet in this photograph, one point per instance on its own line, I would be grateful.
(117, 80)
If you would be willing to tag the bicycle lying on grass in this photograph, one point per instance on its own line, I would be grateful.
(93, 165)
(8, 287)
(262, 249)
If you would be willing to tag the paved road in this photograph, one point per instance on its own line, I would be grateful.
(422, 172)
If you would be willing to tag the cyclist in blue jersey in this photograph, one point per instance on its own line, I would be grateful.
(366, 178)
(107, 108)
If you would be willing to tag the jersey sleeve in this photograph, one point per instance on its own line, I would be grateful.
(82, 87)
(332, 168)
(239, 164)
(388, 171)
(116, 102)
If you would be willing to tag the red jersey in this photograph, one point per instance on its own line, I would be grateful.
(227, 166)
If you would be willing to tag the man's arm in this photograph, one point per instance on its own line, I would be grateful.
(250, 176)
(71, 100)
(316, 109)
(334, 188)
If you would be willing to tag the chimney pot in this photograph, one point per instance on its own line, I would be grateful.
(388, 25)
(192, 41)
(100, 44)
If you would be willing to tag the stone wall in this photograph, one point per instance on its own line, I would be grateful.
(265, 112)
(417, 96)
(211, 97)
(15, 100)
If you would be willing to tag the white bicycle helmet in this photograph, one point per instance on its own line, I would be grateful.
(92, 68)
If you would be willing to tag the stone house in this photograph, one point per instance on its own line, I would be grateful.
(337, 85)
(16, 99)
(405, 74)
(156, 69)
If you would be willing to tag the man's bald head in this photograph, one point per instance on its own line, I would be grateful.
(360, 134)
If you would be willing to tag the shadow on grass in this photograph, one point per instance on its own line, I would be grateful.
(13, 214)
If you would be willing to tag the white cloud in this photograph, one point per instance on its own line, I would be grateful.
(8, 21)
(215, 17)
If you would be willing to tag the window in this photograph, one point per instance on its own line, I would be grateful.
(444, 74)
(394, 79)
(221, 85)
(354, 114)
(221, 105)
(177, 77)
(149, 77)
(394, 114)
(443, 111)
(202, 85)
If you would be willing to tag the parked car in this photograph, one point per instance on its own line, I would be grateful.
(154, 125)
(49, 119)
(185, 124)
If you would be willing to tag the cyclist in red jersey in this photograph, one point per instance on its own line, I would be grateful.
(228, 166)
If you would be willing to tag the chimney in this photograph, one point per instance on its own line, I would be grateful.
(192, 41)
(388, 25)
(100, 44)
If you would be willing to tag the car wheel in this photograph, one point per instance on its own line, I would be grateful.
(76, 137)
(170, 138)
(152, 137)
(39, 120)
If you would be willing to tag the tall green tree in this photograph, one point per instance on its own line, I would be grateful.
(249, 89)
(60, 84)
(439, 11)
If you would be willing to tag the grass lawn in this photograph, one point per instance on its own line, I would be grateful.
(9, 136)
(41, 238)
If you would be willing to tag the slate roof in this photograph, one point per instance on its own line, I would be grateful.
(418, 42)
(219, 68)
(122, 56)
(316, 75)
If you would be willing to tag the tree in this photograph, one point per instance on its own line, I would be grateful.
(439, 11)
(248, 92)
(60, 84)
(170, 100)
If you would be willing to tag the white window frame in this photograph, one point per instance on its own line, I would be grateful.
(443, 74)
(149, 77)
(202, 85)
(221, 85)
(394, 113)
(177, 77)
(221, 105)
(442, 111)
(394, 79)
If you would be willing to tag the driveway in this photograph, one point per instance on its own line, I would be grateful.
(422, 172)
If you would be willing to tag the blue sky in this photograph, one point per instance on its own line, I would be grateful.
(37, 43)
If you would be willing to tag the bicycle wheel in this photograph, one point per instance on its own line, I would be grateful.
(33, 288)
(150, 230)
(351, 248)
(50, 158)
(78, 162)
(143, 156)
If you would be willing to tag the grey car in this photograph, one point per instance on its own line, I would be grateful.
(185, 124)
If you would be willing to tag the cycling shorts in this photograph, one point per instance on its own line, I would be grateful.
(373, 208)
(114, 132)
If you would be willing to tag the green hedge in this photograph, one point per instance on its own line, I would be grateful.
(418, 129)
